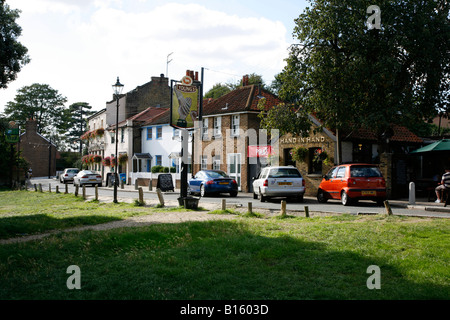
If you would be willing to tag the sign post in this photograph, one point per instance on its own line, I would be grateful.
(184, 111)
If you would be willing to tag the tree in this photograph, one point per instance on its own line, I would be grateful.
(220, 89)
(76, 116)
(42, 103)
(13, 55)
(217, 91)
(350, 76)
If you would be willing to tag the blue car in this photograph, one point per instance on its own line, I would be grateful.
(212, 181)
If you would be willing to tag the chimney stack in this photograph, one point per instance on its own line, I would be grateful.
(245, 80)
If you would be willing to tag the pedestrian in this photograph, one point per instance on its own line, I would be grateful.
(443, 186)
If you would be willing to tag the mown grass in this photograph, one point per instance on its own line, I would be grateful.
(243, 258)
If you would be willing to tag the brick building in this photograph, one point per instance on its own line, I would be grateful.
(40, 153)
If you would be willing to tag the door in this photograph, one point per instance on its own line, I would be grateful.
(234, 167)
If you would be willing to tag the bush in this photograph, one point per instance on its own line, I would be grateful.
(173, 169)
(156, 169)
(166, 169)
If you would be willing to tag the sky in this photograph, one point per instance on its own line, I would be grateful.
(80, 47)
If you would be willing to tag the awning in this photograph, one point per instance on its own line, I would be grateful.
(142, 156)
(441, 145)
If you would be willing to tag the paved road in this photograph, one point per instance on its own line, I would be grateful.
(242, 200)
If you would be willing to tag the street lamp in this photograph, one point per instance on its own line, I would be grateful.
(117, 88)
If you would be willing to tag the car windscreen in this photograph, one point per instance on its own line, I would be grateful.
(284, 173)
(73, 171)
(366, 172)
(217, 174)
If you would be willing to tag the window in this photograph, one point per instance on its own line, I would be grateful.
(122, 135)
(204, 163)
(205, 128)
(176, 132)
(235, 125)
(158, 160)
(217, 126)
(113, 137)
(158, 133)
(149, 133)
(340, 172)
(216, 163)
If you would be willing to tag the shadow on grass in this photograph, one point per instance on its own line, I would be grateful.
(214, 260)
(17, 226)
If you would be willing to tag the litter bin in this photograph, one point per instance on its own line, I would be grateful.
(123, 177)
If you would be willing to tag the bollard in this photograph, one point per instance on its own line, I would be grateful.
(160, 197)
(412, 193)
(96, 193)
(66, 191)
(40, 187)
(224, 204)
(250, 209)
(49, 187)
(84, 192)
(388, 208)
(150, 185)
(35, 187)
(136, 185)
(76, 191)
(306, 211)
(57, 189)
(121, 184)
(141, 195)
(283, 208)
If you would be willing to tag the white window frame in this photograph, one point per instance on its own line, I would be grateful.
(205, 128)
(216, 162)
(235, 119)
(217, 126)
(204, 163)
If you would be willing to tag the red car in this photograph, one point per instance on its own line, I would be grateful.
(352, 182)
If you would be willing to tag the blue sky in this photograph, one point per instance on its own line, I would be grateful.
(79, 47)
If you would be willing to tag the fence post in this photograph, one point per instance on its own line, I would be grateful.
(40, 187)
(50, 187)
(57, 189)
(66, 191)
(76, 191)
(307, 211)
(224, 204)
(160, 197)
(96, 193)
(283, 208)
(250, 209)
(84, 192)
(388, 208)
(141, 195)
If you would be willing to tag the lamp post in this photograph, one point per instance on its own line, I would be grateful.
(117, 88)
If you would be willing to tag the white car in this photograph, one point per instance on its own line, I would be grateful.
(87, 177)
(281, 181)
(68, 174)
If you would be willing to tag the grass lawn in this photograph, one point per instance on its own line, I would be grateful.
(245, 258)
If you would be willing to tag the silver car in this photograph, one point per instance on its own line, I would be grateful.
(68, 174)
(281, 181)
(87, 177)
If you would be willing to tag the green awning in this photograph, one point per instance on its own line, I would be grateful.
(442, 145)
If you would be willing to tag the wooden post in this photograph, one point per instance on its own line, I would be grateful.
(96, 193)
(35, 187)
(57, 189)
(250, 209)
(150, 185)
(84, 192)
(66, 191)
(283, 208)
(121, 184)
(307, 211)
(224, 204)
(160, 197)
(388, 208)
(76, 191)
(40, 187)
(141, 195)
(49, 187)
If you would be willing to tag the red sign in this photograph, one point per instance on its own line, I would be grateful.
(259, 151)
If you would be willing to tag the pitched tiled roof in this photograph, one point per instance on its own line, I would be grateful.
(144, 116)
(162, 118)
(241, 99)
(401, 134)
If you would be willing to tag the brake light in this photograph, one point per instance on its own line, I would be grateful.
(209, 182)
(351, 181)
(303, 183)
(234, 182)
(84, 177)
(266, 183)
(99, 176)
(383, 182)
(66, 175)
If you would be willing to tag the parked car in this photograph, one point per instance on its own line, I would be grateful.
(212, 181)
(352, 182)
(279, 181)
(68, 174)
(85, 177)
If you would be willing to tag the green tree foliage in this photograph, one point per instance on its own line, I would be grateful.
(351, 76)
(220, 89)
(76, 121)
(13, 55)
(217, 91)
(42, 103)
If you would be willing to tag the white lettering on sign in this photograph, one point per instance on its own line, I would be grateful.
(374, 21)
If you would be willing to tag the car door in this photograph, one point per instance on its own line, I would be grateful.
(339, 182)
(327, 182)
(195, 182)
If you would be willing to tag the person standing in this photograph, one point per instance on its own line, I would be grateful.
(444, 185)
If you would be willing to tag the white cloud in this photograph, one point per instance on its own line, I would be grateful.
(103, 40)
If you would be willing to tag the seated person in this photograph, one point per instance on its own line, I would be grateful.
(444, 185)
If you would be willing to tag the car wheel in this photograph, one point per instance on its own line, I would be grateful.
(345, 199)
(300, 198)
(261, 197)
(321, 196)
(255, 196)
(99, 184)
(233, 194)
(202, 191)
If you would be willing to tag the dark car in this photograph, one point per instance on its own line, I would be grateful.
(352, 182)
(212, 181)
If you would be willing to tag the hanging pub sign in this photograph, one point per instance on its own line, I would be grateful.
(12, 133)
(184, 106)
